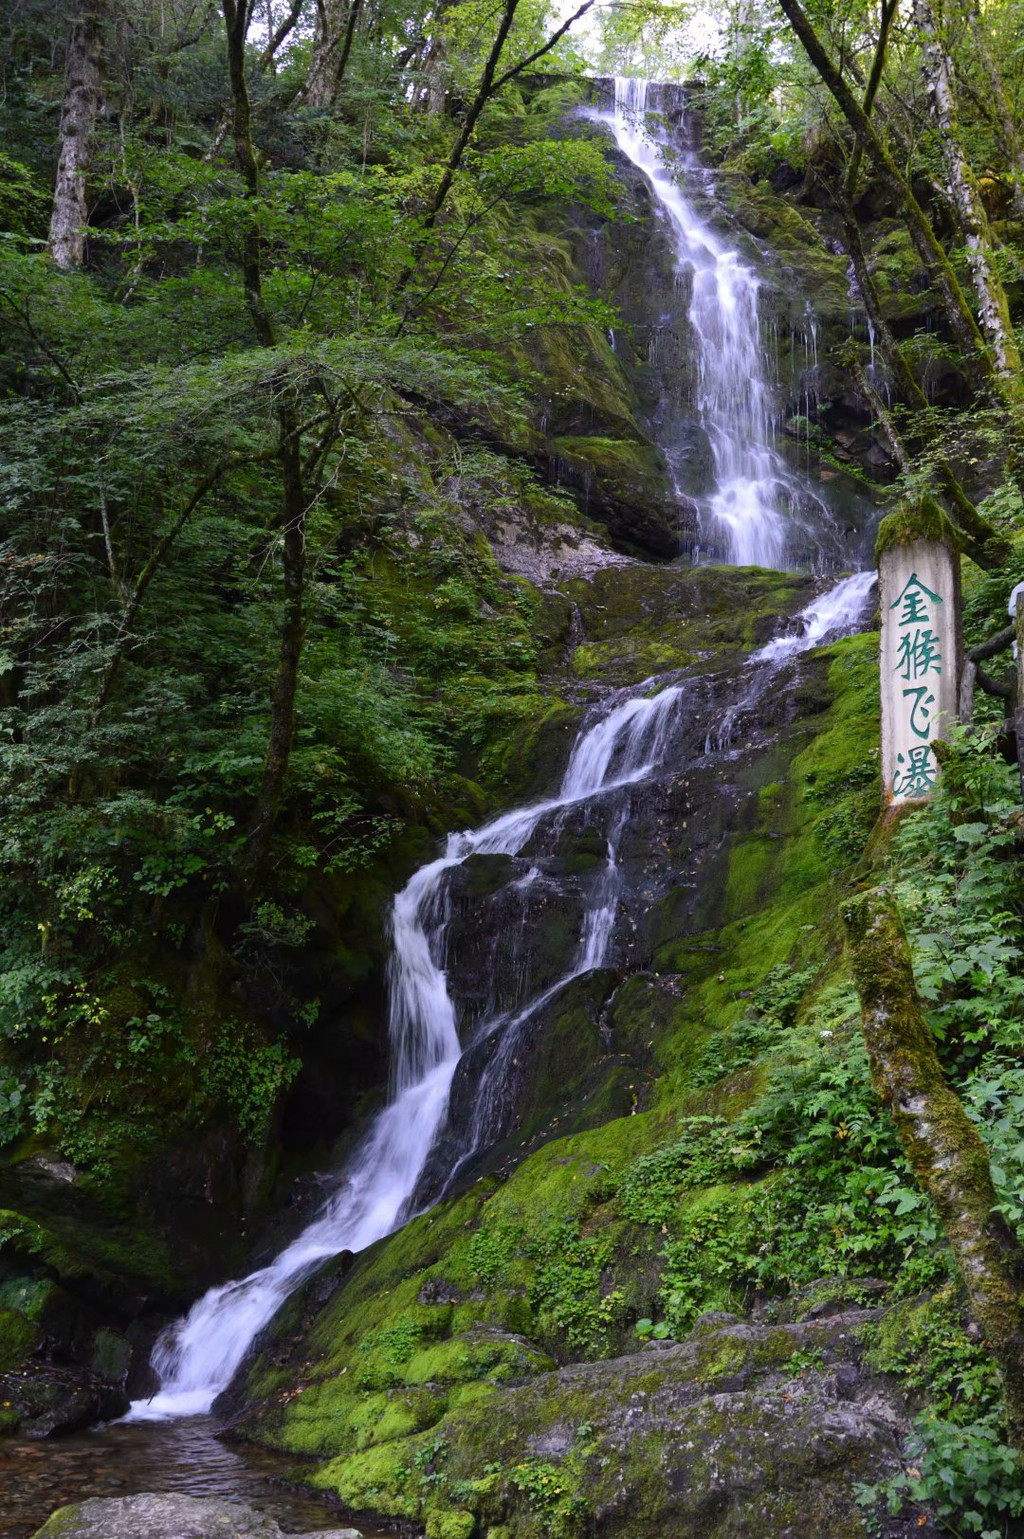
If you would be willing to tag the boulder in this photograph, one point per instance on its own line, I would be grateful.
(155, 1515)
(42, 1399)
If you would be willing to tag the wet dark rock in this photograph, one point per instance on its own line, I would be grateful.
(44, 1399)
(154, 1515)
(783, 177)
(713, 1320)
(560, 1076)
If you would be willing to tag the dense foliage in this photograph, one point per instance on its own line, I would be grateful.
(144, 557)
(262, 386)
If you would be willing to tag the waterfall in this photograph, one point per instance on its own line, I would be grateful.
(617, 749)
(622, 743)
(754, 507)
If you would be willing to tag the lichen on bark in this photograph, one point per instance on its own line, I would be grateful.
(945, 1150)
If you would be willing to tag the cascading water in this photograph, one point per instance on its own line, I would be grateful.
(197, 1357)
(622, 745)
(755, 507)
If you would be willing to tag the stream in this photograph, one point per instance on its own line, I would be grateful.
(38, 1475)
(415, 1149)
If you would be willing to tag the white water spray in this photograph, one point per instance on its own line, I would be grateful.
(832, 614)
(197, 1357)
(754, 491)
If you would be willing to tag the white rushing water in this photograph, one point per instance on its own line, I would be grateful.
(197, 1357)
(754, 491)
(833, 613)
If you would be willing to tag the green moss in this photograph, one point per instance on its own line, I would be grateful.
(64, 1521)
(451, 1525)
(29, 1295)
(378, 1479)
(720, 1356)
(906, 1321)
(919, 519)
(482, 1356)
(19, 1338)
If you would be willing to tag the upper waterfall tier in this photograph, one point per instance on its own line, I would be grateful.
(758, 512)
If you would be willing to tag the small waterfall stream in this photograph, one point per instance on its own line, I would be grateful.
(617, 749)
(622, 743)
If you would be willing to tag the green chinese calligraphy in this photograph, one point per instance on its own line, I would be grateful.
(914, 599)
(919, 652)
(920, 711)
(918, 776)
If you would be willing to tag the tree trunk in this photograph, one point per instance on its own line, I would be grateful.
(332, 45)
(289, 454)
(999, 105)
(490, 84)
(145, 577)
(282, 701)
(1018, 713)
(963, 193)
(319, 90)
(983, 543)
(937, 264)
(80, 107)
(945, 1150)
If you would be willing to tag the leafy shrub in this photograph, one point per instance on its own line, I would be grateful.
(566, 1291)
(771, 1013)
(545, 1489)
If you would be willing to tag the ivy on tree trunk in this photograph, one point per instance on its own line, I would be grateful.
(945, 1150)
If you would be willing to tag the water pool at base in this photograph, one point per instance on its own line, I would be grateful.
(37, 1475)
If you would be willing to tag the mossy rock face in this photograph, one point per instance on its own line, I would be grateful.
(638, 621)
(729, 868)
(100, 1246)
(624, 485)
(746, 1431)
(43, 1399)
(19, 1337)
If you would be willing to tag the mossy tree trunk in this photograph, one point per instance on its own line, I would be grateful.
(999, 103)
(965, 196)
(982, 542)
(986, 547)
(332, 45)
(1005, 385)
(1018, 714)
(945, 1150)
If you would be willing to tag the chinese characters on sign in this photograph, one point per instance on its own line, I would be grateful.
(919, 654)
(920, 663)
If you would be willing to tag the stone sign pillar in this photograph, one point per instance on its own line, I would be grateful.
(919, 583)
(1017, 616)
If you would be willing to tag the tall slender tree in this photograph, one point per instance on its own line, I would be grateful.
(79, 111)
(964, 195)
(292, 517)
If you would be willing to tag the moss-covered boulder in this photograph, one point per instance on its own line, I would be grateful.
(746, 1430)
